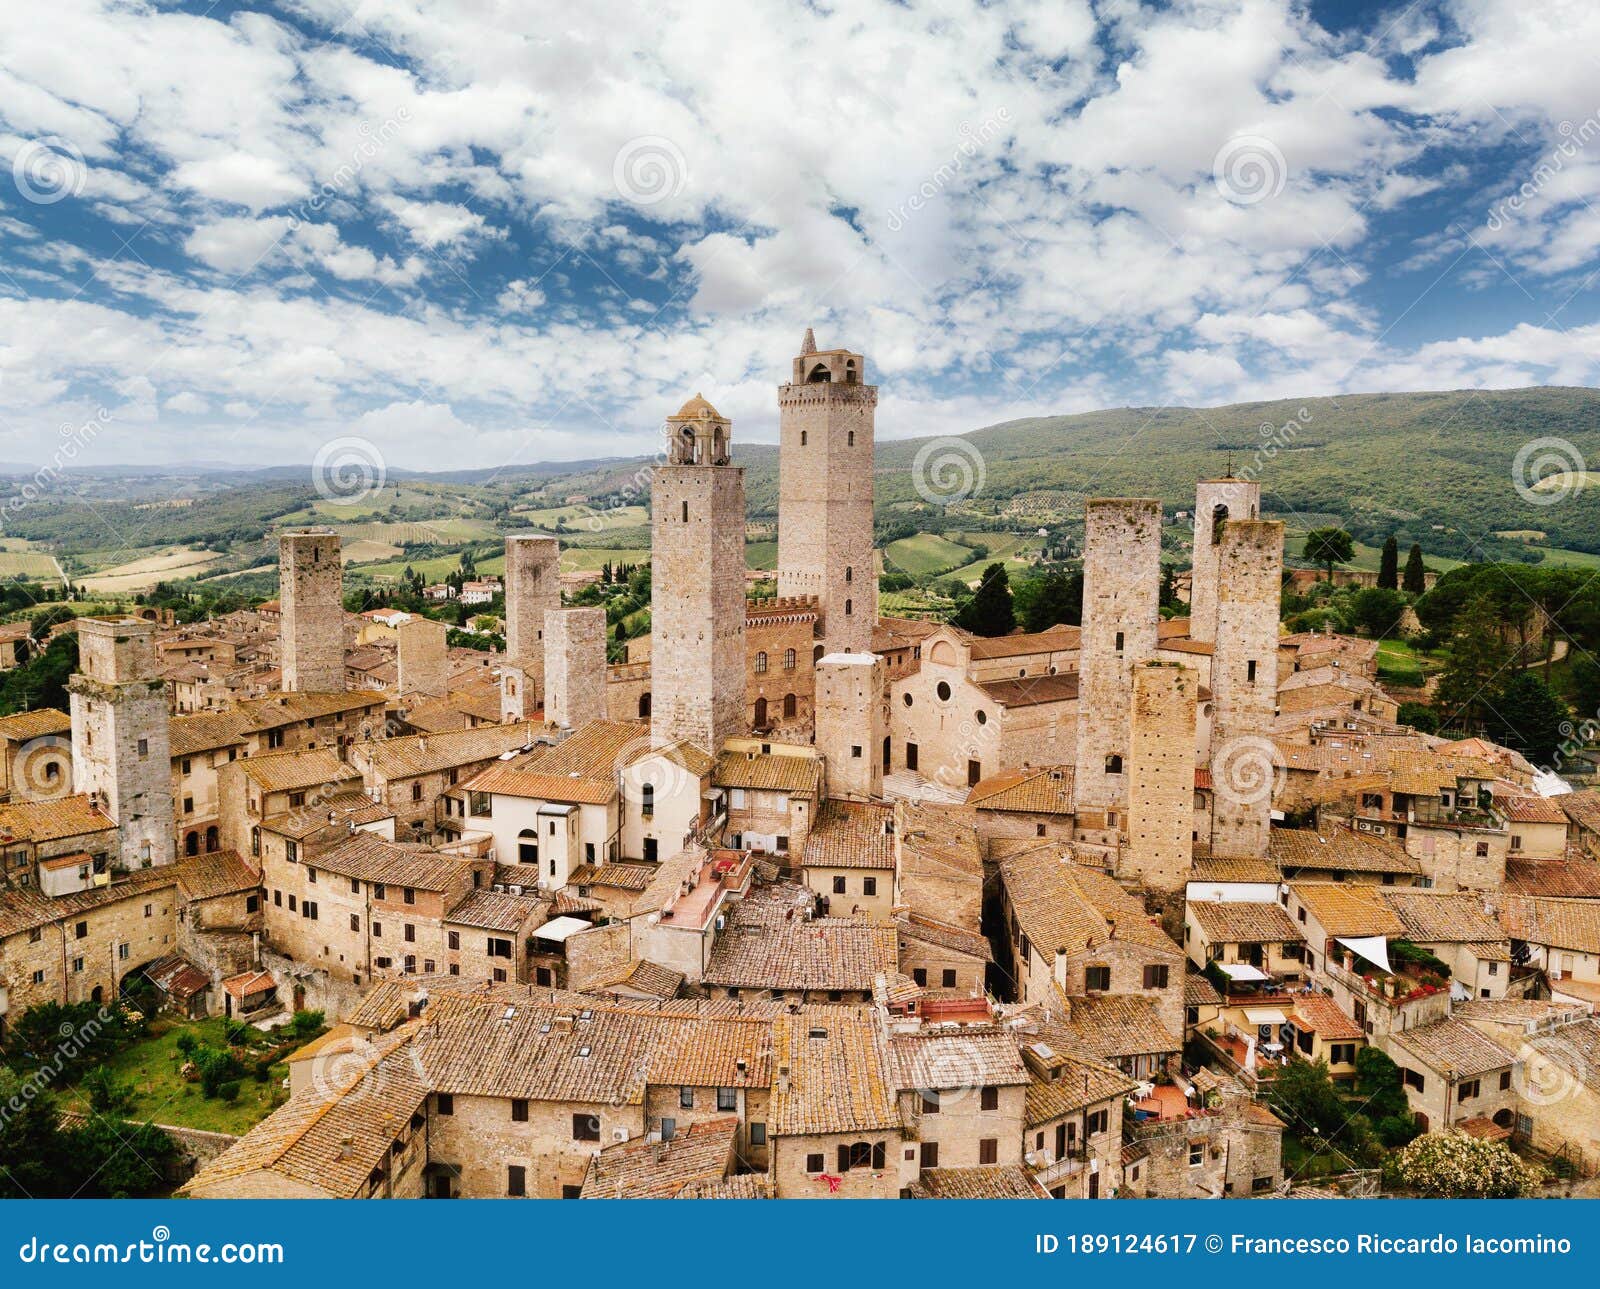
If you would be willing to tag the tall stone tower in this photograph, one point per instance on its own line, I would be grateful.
(1215, 502)
(826, 416)
(851, 725)
(575, 666)
(121, 744)
(311, 599)
(697, 610)
(1121, 604)
(1161, 737)
(533, 588)
(423, 655)
(1244, 685)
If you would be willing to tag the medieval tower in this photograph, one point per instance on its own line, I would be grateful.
(575, 666)
(825, 429)
(423, 656)
(1161, 739)
(697, 605)
(851, 724)
(311, 599)
(1215, 502)
(121, 745)
(533, 588)
(1121, 595)
(1244, 684)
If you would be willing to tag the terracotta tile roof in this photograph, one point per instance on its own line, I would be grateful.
(740, 1186)
(22, 726)
(290, 771)
(338, 811)
(1198, 991)
(851, 834)
(769, 772)
(1347, 909)
(1529, 808)
(960, 1060)
(1319, 1013)
(1452, 1045)
(224, 872)
(1582, 808)
(837, 1080)
(1179, 644)
(1063, 905)
(1338, 850)
(1009, 1181)
(1032, 690)
(1569, 877)
(701, 1152)
(643, 976)
(416, 754)
(823, 953)
(1228, 868)
(371, 858)
(249, 982)
(914, 926)
(496, 911)
(1109, 1026)
(51, 820)
(207, 731)
(1045, 789)
(177, 977)
(1568, 924)
(303, 705)
(619, 875)
(23, 909)
(1433, 917)
(335, 1133)
(1238, 922)
(1574, 1049)
(1067, 1084)
(1051, 640)
(581, 768)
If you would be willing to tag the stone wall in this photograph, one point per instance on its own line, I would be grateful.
(424, 664)
(850, 725)
(575, 666)
(311, 623)
(1161, 775)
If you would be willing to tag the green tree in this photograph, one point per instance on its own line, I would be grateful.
(32, 1148)
(1377, 610)
(1456, 1166)
(989, 612)
(1389, 565)
(1526, 715)
(1057, 597)
(1329, 546)
(1305, 1097)
(1473, 662)
(1419, 716)
(1415, 583)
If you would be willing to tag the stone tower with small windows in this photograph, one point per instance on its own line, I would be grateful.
(311, 612)
(826, 416)
(1244, 684)
(1121, 599)
(121, 743)
(851, 724)
(1161, 738)
(1215, 502)
(697, 602)
(533, 589)
(574, 666)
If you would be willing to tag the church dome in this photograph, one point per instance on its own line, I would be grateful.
(697, 409)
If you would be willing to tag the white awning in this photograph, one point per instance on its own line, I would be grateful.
(1264, 1016)
(558, 929)
(1374, 948)
(1242, 971)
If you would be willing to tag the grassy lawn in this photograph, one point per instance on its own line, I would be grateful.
(162, 1095)
(1401, 663)
(584, 519)
(761, 554)
(926, 554)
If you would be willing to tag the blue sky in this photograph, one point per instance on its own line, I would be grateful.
(480, 232)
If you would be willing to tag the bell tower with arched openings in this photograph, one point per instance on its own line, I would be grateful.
(826, 417)
(697, 606)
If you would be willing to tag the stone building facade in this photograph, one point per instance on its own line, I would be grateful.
(1161, 774)
(311, 625)
(575, 666)
(121, 735)
(533, 588)
(826, 416)
(423, 654)
(851, 725)
(697, 608)
(1216, 501)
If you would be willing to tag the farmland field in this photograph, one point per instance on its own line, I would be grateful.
(926, 554)
(365, 551)
(22, 559)
(583, 519)
(434, 532)
(141, 574)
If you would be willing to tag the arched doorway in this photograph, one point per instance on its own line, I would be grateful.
(644, 706)
(191, 843)
(761, 713)
(213, 839)
(527, 846)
